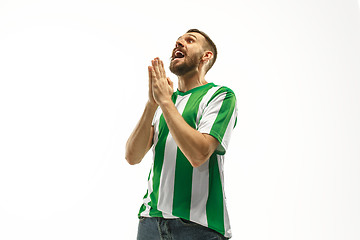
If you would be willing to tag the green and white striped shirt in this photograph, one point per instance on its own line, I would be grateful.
(175, 188)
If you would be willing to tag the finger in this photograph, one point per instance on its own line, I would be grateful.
(150, 75)
(155, 64)
(162, 69)
(162, 63)
(149, 70)
(153, 75)
(170, 83)
(159, 67)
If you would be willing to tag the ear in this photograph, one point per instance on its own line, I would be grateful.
(208, 55)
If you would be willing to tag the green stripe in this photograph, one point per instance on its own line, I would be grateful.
(158, 163)
(223, 118)
(192, 106)
(220, 90)
(205, 87)
(143, 207)
(214, 205)
(182, 186)
(183, 168)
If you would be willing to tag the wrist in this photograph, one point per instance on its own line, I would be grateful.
(152, 105)
(166, 104)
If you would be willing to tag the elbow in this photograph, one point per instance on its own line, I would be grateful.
(198, 160)
(130, 155)
(197, 163)
(131, 159)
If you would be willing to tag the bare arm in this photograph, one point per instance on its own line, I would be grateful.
(197, 147)
(141, 139)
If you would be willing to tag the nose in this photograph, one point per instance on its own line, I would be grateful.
(179, 43)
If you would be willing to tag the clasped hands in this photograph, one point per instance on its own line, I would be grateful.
(160, 86)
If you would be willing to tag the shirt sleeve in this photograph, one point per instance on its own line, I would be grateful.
(219, 117)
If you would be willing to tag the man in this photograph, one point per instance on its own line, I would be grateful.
(189, 131)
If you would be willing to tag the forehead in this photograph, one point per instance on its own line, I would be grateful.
(195, 35)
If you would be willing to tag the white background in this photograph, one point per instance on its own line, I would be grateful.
(74, 83)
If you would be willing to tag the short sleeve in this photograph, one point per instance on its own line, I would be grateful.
(219, 117)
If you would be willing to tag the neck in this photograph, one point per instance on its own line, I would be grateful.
(191, 80)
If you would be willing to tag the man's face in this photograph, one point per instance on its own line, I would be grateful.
(187, 53)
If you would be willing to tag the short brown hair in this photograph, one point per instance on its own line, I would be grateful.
(210, 44)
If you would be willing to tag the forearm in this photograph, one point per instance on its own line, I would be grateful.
(140, 139)
(196, 147)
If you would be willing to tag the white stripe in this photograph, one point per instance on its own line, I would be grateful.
(204, 102)
(229, 129)
(146, 212)
(167, 178)
(199, 195)
(227, 228)
(166, 188)
(156, 129)
(210, 113)
(220, 162)
(156, 116)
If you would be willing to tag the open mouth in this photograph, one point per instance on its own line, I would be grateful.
(178, 54)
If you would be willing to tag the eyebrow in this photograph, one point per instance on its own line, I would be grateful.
(189, 35)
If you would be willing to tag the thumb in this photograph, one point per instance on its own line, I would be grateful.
(170, 82)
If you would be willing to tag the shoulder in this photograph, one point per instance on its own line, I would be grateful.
(222, 92)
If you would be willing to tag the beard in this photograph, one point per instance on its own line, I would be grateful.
(189, 64)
